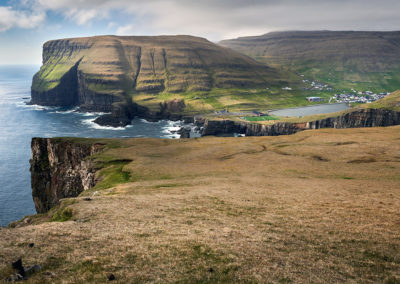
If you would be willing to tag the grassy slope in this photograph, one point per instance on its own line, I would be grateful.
(317, 206)
(345, 60)
(391, 102)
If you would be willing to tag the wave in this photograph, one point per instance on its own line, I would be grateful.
(67, 111)
(172, 126)
(150, 122)
(90, 122)
(92, 113)
(171, 129)
(36, 107)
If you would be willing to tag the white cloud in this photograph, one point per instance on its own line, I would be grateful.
(82, 17)
(126, 30)
(10, 18)
(214, 19)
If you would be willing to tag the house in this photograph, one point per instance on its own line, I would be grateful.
(314, 99)
(257, 113)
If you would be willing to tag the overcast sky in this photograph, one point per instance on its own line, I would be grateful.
(26, 24)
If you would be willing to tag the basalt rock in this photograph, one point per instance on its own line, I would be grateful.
(354, 119)
(59, 170)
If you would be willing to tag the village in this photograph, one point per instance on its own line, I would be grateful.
(317, 86)
(353, 96)
(359, 97)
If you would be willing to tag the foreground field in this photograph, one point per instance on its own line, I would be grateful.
(318, 206)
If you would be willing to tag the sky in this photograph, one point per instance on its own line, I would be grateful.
(26, 24)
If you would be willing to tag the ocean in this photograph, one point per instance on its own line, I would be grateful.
(20, 122)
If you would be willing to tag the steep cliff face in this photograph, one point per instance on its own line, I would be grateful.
(64, 94)
(357, 118)
(59, 170)
(108, 73)
(221, 127)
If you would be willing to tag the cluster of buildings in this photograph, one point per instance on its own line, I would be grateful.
(317, 86)
(315, 99)
(359, 97)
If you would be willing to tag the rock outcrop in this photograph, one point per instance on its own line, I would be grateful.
(108, 73)
(223, 127)
(354, 119)
(59, 170)
(358, 118)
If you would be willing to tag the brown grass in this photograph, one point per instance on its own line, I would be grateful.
(302, 209)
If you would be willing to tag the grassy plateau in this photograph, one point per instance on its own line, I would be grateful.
(315, 207)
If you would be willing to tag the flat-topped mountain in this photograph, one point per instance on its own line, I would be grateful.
(107, 73)
(349, 59)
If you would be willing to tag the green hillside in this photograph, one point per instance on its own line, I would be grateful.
(344, 60)
(391, 102)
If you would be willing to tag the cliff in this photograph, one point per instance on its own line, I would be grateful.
(358, 118)
(125, 75)
(59, 170)
(221, 127)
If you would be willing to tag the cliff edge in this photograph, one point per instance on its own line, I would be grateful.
(59, 170)
(357, 118)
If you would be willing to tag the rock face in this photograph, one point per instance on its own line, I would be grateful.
(108, 73)
(59, 170)
(221, 127)
(358, 118)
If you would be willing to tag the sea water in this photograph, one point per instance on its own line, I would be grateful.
(20, 122)
(310, 110)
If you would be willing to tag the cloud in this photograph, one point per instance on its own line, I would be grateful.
(218, 19)
(82, 17)
(10, 18)
(126, 30)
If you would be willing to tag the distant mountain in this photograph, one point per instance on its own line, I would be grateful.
(344, 59)
(108, 73)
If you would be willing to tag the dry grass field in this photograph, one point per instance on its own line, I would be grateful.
(315, 207)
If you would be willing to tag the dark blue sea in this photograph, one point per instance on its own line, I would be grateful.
(20, 122)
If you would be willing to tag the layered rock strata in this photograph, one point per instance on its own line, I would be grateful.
(60, 168)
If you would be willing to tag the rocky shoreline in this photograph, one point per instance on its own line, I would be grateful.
(354, 119)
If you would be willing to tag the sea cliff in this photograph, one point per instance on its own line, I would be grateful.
(124, 76)
(59, 169)
(353, 119)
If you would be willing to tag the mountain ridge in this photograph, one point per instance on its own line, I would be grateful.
(344, 59)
